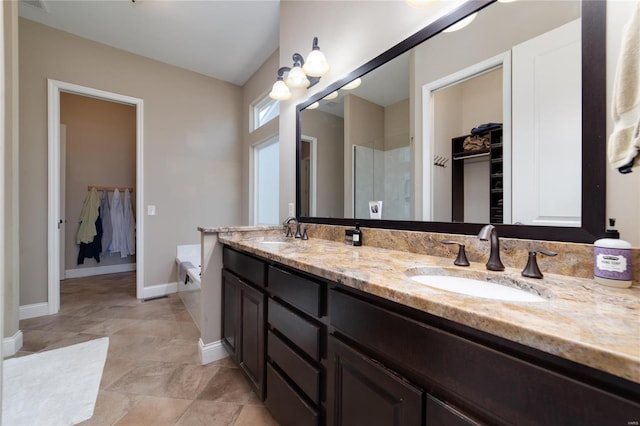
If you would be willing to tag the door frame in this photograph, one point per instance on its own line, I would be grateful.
(54, 88)
(313, 173)
(428, 127)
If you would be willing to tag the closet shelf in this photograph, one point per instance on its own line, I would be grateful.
(470, 154)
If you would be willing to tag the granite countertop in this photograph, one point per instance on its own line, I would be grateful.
(581, 320)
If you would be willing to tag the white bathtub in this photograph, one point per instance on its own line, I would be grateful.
(190, 291)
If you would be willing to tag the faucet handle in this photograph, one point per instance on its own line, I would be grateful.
(461, 260)
(532, 270)
(289, 234)
(304, 234)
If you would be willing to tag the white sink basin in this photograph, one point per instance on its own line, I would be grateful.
(478, 288)
(273, 243)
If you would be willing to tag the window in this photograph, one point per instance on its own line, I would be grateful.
(264, 110)
(266, 184)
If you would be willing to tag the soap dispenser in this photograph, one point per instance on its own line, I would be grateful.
(357, 236)
(612, 259)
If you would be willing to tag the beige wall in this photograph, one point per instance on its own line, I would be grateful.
(11, 275)
(328, 129)
(349, 41)
(396, 125)
(254, 89)
(363, 126)
(191, 155)
(100, 151)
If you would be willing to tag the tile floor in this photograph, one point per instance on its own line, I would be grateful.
(152, 375)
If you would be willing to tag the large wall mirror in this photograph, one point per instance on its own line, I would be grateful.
(501, 121)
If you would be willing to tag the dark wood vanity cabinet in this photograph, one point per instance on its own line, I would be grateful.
(470, 380)
(363, 392)
(323, 353)
(295, 348)
(243, 315)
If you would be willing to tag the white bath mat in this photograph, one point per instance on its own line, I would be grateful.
(57, 387)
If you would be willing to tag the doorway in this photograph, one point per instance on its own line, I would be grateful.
(308, 175)
(55, 220)
(437, 181)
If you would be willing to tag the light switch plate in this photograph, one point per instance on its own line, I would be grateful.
(151, 210)
(292, 209)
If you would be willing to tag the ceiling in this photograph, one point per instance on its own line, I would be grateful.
(225, 39)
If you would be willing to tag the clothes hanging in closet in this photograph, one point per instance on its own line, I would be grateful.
(89, 234)
(105, 216)
(119, 236)
(88, 217)
(129, 226)
(123, 223)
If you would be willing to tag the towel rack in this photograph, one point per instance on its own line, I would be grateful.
(109, 188)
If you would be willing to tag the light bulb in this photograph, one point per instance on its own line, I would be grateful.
(297, 78)
(353, 84)
(313, 106)
(280, 91)
(331, 95)
(460, 24)
(316, 64)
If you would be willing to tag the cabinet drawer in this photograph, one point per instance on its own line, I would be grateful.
(286, 406)
(492, 384)
(303, 333)
(300, 292)
(245, 266)
(303, 374)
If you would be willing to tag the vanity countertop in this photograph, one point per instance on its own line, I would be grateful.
(581, 321)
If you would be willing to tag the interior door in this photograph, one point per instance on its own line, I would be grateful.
(547, 129)
(62, 221)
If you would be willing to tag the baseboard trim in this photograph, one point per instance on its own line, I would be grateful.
(11, 345)
(33, 310)
(159, 290)
(99, 270)
(211, 351)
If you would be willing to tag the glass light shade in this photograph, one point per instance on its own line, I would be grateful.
(460, 24)
(353, 84)
(297, 78)
(316, 64)
(313, 105)
(331, 95)
(280, 91)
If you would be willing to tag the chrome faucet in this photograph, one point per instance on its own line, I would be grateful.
(489, 233)
(287, 222)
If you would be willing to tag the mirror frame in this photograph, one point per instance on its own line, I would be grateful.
(593, 14)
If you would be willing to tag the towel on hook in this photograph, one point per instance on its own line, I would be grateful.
(624, 142)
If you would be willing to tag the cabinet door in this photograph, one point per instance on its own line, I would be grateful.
(363, 392)
(231, 314)
(441, 414)
(252, 347)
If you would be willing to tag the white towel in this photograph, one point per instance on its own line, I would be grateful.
(624, 142)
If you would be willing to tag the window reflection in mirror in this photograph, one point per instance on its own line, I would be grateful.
(394, 137)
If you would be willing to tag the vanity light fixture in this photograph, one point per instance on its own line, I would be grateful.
(302, 74)
(353, 84)
(460, 24)
(331, 95)
(313, 106)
